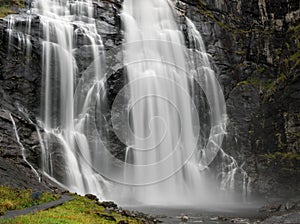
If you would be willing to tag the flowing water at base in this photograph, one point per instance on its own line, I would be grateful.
(209, 214)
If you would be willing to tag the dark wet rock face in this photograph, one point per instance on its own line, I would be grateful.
(20, 74)
(20, 81)
(20, 92)
(255, 49)
(255, 46)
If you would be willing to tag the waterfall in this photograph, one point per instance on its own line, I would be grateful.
(165, 161)
(229, 166)
(23, 42)
(67, 27)
(168, 146)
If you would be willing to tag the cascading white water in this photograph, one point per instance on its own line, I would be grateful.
(229, 166)
(23, 42)
(63, 23)
(166, 157)
(165, 128)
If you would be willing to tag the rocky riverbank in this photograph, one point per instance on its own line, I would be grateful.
(37, 206)
(253, 213)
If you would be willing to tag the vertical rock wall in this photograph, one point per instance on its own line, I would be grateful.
(255, 47)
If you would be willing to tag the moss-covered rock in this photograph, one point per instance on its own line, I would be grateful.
(10, 6)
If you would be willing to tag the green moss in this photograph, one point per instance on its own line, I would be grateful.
(295, 58)
(294, 28)
(271, 87)
(7, 5)
(288, 72)
(12, 199)
(286, 164)
(251, 81)
(251, 132)
(278, 52)
(5, 10)
(78, 211)
(232, 24)
(245, 82)
(294, 33)
(285, 160)
(297, 115)
(261, 70)
(202, 2)
(242, 52)
(295, 134)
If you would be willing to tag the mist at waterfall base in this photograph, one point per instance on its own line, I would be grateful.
(168, 119)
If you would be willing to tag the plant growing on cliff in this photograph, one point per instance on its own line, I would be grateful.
(286, 163)
(7, 6)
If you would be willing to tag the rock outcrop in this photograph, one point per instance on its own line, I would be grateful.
(255, 47)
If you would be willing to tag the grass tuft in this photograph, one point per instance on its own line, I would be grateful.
(12, 199)
(78, 211)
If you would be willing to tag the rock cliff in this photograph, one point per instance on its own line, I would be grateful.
(255, 45)
(255, 48)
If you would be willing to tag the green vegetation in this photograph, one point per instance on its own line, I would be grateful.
(297, 116)
(296, 57)
(286, 163)
(285, 57)
(290, 156)
(12, 199)
(241, 52)
(4, 11)
(245, 82)
(261, 70)
(272, 87)
(232, 24)
(294, 32)
(266, 87)
(7, 5)
(80, 210)
(289, 64)
(251, 81)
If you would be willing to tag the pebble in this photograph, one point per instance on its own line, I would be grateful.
(184, 218)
